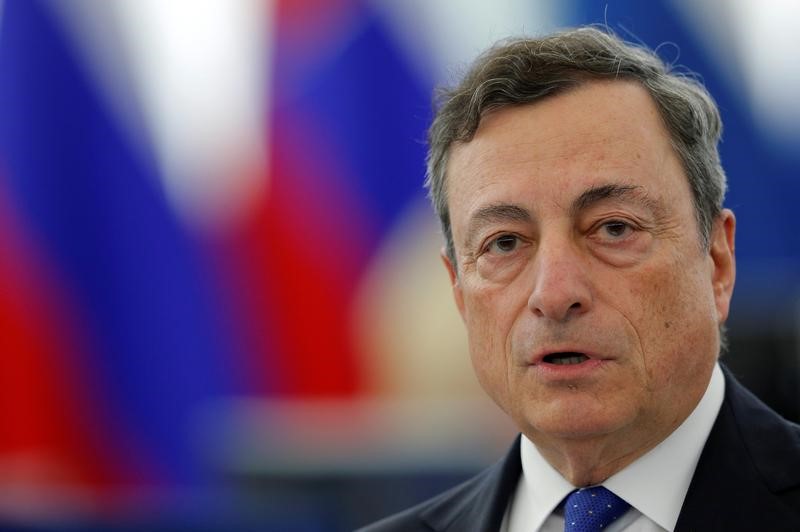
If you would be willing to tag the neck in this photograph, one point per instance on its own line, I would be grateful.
(587, 461)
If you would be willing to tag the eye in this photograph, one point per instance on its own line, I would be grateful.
(616, 229)
(503, 244)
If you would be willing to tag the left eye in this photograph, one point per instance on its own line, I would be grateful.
(616, 229)
(504, 244)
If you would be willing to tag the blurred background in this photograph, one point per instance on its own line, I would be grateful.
(221, 303)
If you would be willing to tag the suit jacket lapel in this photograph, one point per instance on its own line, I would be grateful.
(751, 456)
(482, 504)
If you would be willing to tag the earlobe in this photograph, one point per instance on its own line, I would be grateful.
(454, 281)
(723, 238)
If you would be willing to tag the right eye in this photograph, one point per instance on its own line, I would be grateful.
(503, 244)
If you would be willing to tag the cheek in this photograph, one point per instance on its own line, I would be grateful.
(489, 319)
(490, 310)
(485, 328)
(675, 323)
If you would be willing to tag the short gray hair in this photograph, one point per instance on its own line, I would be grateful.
(521, 71)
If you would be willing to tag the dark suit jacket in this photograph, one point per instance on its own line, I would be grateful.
(747, 478)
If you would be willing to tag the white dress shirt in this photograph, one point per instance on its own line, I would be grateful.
(655, 484)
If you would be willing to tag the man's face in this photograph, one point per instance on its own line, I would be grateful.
(591, 305)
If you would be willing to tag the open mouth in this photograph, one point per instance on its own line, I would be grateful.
(565, 359)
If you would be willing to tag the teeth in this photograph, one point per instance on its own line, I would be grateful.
(566, 360)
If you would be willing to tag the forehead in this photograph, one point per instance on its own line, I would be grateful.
(599, 132)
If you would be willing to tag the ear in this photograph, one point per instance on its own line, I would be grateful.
(454, 282)
(722, 250)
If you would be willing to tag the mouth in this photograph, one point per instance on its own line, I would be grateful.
(567, 358)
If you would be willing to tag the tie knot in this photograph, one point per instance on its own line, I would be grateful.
(592, 509)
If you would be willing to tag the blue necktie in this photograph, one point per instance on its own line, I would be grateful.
(592, 509)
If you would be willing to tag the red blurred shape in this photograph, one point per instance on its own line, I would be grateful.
(46, 439)
(297, 264)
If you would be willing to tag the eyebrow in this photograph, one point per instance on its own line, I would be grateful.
(600, 193)
(495, 213)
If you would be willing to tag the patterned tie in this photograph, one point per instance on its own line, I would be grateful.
(592, 509)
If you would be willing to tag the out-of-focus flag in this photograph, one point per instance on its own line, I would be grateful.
(115, 326)
(215, 251)
(134, 296)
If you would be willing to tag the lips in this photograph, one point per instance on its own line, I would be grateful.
(565, 359)
(567, 364)
(564, 356)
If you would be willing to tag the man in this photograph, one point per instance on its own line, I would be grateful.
(580, 193)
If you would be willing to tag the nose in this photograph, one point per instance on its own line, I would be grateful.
(562, 286)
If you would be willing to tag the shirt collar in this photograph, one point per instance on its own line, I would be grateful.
(672, 462)
(541, 488)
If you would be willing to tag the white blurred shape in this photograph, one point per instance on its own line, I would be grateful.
(96, 28)
(754, 44)
(191, 76)
(307, 438)
(406, 321)
(769, 32)
(200, 69)
(445, 34)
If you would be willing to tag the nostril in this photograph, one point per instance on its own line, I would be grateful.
(552, 299)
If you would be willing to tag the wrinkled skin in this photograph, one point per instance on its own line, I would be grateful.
(575, 231)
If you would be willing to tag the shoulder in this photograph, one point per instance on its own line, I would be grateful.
(772, 443)
(481, 499)
(748, 475)
(414, 518)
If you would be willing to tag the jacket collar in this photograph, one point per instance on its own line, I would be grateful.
(480, 504)
(751, 457)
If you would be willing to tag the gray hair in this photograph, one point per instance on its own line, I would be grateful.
(521, 71)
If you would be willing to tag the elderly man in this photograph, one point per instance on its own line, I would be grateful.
(580, 193)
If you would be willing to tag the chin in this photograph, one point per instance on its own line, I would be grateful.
(570, 430)
(574, 420)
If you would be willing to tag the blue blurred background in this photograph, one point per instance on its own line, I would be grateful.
(221, 305)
